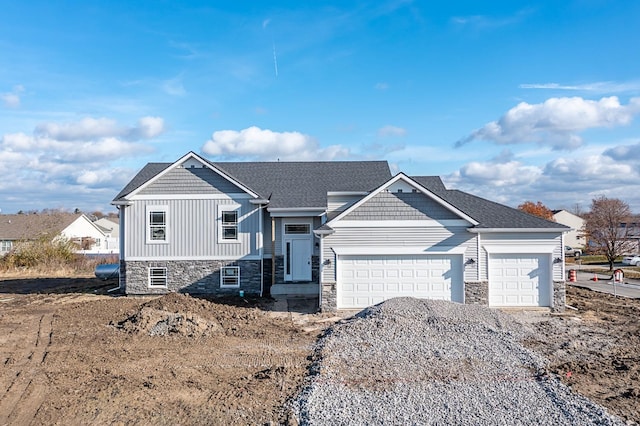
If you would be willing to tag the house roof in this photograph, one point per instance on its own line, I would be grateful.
(489, 214)
(32, 226)
(305, 184)
(289, 184)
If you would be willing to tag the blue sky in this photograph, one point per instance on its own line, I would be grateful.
(510, 100)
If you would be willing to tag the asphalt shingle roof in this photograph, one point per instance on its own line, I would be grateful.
(31, 226)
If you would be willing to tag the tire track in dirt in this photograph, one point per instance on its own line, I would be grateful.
(23, 397)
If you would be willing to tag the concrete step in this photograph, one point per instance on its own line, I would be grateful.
(295, 289)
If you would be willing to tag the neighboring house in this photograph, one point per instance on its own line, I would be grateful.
(576, 236)
(111, 230)
(76, 227)
(349, 232)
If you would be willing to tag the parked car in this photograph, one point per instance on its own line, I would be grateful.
(633, 260)
(570, 251)
(107, 271)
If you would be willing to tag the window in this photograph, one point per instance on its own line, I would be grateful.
(157, 277)
(6, 246)
(230, 277)
(228, 223)
(157, 224)
(297, 228)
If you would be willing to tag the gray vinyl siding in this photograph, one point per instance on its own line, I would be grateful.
(525, 243)
(191, 181)
(397, 237)
(192, 230)
(339, 203)
(401, 206)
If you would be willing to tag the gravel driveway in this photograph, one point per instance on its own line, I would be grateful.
(425, 362)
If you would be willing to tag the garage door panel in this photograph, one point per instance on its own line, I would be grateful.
(519, 280)
(423, 276)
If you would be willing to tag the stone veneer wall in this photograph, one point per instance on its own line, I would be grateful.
(559, 296)
(329, 297)
(476, 293)
(191, 276)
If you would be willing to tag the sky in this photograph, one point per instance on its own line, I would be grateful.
(508, 100)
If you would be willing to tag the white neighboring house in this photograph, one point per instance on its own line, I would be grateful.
(76, 227)
(576, 237)
(111, 230)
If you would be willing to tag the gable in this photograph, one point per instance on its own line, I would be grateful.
(401, 206)
(191, 180)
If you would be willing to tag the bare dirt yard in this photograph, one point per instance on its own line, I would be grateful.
(71, 353)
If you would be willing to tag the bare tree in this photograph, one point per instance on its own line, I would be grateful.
(605, 230)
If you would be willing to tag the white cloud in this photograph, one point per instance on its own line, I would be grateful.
(555, 122)
(597, 87)
(174, 87)
(624, 152)
(391, 131)
(482, 22)
(500, 174)
(258, 144)
(12, 99)
(96, 128)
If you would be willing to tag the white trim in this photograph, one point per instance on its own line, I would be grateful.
(123, 202)
(231, 196)
(411, 182)
(516, 249)
(319, 232)
(400, 223)
(183, 258)
(392, 250)
(339, 193)
(524, 230)
(178, 163)
(228, 208)
(147, 223)
(296, 211)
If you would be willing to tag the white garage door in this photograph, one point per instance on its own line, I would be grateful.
(367, 280)
(519, 280)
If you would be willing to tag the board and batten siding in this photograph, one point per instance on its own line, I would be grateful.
(431, 238)
(524, 243)
(192, 230)
(195, 180)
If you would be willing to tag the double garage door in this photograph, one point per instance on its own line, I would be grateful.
(519, 280)
(365, 280)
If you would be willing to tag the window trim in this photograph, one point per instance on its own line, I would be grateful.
(155, 209)
(237, 277)
(4, 244)
(221, 210)
(166, 279)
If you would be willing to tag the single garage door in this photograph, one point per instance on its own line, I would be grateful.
(365, 280)
(519, 280)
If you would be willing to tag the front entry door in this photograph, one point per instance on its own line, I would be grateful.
(300, 260)
(297, 252)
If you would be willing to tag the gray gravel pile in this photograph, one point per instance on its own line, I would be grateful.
(409, 361)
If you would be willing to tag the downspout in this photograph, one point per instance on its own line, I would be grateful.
(261, 250)
(273, 251)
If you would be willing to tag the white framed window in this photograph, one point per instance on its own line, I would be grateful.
(230, 277)
(157, 227)
(158, 277)
(297, 228)
(228, 224)
(6, 245)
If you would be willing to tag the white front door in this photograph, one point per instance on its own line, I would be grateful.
(297, 251)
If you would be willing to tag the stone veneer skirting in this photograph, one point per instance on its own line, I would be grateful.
(559, 296)
(329, 297)
(190, 276)
(476, 292)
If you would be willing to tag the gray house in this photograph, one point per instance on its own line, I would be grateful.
(349, 232)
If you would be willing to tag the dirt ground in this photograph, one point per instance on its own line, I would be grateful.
(71, 353)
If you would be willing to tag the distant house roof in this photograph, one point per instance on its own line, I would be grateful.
(33, 226)
(289, 184)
